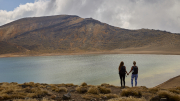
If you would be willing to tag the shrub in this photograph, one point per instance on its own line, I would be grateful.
(131, 92)
(81, 89)
(93, 90)
(104, 90)
(84, 84)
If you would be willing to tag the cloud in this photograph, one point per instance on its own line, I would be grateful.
(129, 14)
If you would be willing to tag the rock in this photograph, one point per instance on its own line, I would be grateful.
(27, 98)
(93, 99)
(1, 98)
(23, 86)
(53, 96)
(68, 95)
(58, 98)
(156, 98)
(83, 90)
(163, 99)
(48, 86)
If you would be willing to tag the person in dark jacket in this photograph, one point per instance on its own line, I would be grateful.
(122, 73)
(134, 70)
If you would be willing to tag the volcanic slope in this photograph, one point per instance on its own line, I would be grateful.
(70, 33)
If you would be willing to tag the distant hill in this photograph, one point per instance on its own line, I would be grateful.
(69, 33)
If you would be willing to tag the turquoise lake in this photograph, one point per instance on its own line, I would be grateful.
(92, 69)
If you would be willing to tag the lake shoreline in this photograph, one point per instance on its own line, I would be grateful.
(120, 51)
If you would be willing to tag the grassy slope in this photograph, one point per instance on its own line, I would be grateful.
(48, 92)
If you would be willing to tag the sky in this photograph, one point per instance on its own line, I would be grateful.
(129, 14)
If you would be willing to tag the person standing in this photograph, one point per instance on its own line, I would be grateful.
(134, 70)
(122, 73)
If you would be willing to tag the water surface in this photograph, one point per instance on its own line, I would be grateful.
(92, 69)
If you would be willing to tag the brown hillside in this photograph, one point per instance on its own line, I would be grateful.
(171, 83)
(10, 48)
(66, 33)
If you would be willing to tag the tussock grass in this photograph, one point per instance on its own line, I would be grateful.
(153, 90)
(30, 84)
(131, 92)
(61, 89)
(93, 90)
(15, 91)
(127, 99)
(105, 84)
(170, 96)
(69, 85)
(104, 90)
(81, 89)
(109, 96)
(84, 84)
(44, 99)
(175, 90)
(90, 96)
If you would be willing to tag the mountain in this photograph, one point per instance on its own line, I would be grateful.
(70, 33)
(10, 48)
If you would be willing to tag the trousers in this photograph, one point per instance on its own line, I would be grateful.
(122, 77)
(132, 77)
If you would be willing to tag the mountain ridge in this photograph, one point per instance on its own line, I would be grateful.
(71, 33)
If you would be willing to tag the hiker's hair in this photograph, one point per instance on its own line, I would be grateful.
(120, 65)
(134, 62)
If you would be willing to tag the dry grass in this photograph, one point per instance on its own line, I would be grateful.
(81, 89)
(153, 90)
(15, 91)
(131, 92)
(84, 84)
(105, 84)
(127, 99)
(93, 90)
(175, 90)
(90, 96)
(109, 96)
(104, 90)
(169, 95)
(69, 85)
(44, 99)
(36, 92)
(61, 89)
